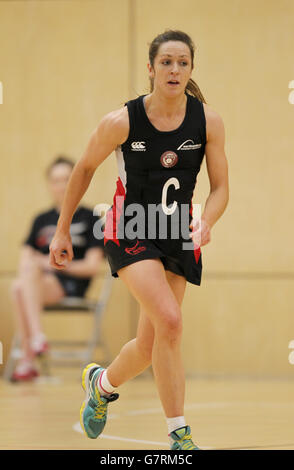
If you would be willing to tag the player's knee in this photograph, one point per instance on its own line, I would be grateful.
(171, 325)
(29, 266)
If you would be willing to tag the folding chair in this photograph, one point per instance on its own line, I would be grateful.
(81, 351)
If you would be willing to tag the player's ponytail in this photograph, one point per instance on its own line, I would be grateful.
(194, 90)
(174, 35)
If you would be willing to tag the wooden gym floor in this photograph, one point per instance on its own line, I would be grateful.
(223, 414)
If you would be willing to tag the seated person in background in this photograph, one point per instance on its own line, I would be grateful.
(37, 283)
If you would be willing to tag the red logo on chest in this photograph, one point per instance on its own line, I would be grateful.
(168, 159)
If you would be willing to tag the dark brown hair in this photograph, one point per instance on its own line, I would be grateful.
(60, 159)
(175, 35)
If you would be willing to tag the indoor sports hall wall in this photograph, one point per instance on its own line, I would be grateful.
(240, 321)
(66, 63)
(62, 68)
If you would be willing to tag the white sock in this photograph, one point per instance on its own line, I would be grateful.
(103, 384)
(175, 423)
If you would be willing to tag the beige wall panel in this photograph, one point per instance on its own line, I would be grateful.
(65, 64)
(62, 67)
(243, 66)
(239, 328)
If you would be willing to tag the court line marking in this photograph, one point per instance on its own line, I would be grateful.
(193, 406)
(147, 411)
(77, 427)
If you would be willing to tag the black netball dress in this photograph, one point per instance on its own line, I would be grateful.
(152, 206)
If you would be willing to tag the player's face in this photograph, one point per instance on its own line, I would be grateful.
(172, 68)
(57, 181)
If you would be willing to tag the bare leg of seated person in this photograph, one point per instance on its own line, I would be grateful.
(31, 291)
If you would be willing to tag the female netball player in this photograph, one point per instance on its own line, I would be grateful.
(160, 140)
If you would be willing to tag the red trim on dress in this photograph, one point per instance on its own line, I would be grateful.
(114, 214)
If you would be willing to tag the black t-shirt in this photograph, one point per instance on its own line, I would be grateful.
(81, 231)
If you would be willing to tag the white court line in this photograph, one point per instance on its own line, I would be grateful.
(77, 427)
(193, 406)
(147, 411)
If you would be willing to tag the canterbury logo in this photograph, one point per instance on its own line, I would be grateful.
(135, 250)
(138, 146)
(189, 145)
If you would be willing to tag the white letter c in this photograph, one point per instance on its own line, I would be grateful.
(176, 184)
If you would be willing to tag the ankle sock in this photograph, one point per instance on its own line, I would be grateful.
(175, 423)
(104, 386)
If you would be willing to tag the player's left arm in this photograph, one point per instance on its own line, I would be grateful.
(217, 168)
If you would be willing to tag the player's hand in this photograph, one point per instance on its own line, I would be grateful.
(61, 252)
(200, 232)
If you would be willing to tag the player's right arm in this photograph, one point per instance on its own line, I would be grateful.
(111, 132)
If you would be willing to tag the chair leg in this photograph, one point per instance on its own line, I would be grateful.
(96, 340)
(44, 361)
(90, 353)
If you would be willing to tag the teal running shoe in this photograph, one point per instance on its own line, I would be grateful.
(93, 412)
(181, 439)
